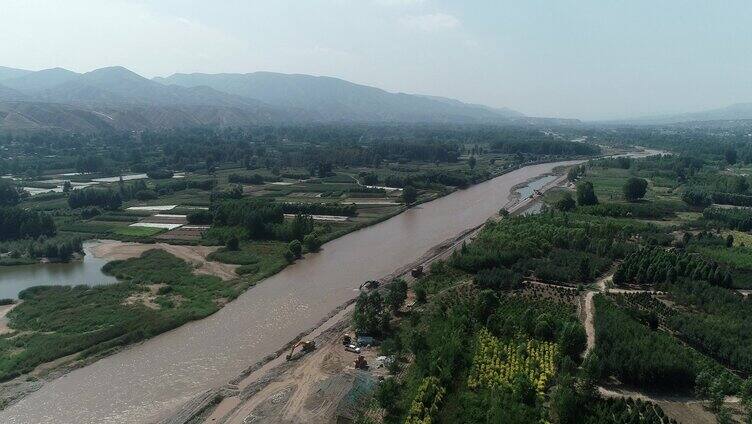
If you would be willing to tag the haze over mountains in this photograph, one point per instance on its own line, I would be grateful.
(734, 112)
(116, 98)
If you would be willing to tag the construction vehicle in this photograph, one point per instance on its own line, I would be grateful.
(417, 271)
(360, 363)
(346, 340)
(306, 346)
(369, 285)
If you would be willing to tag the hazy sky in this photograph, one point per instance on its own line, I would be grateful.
(589, 59)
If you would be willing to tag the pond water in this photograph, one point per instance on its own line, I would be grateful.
(13, 279)
(536, 184)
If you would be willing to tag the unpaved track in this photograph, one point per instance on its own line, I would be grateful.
(684, 409)
(196, 255)
(589, 323)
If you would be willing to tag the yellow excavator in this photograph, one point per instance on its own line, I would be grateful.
(306, 346)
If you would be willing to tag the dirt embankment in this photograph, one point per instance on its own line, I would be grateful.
(4, 309)
(112, 250)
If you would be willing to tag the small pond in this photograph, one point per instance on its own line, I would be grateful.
(13, 279)
(536, 184)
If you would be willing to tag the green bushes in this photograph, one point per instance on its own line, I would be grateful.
(200, 217)
(635, 188)
(9, 194)
(169, 186)
(257, 217)
(549, 246)
(26, 251)
(735, 218)
(160, 174)
(586, 194)
(639, 356)
(566, 203)
(17, 223)
(320, 209)
(146, 195)
(104, 198)
(732, 199)
(653, 265)
(498, 279)
(714, 321)
(696, 197)
(54, 321)
(245, 179)
(544, 145)
(653, 210)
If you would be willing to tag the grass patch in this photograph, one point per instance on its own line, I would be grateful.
(138, 231)
(257, 259)
(55, 321)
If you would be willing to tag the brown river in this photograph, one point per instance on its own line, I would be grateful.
(148, 381)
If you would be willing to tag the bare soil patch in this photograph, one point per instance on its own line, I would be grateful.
(196, 255)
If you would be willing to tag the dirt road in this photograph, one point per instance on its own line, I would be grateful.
(589, 323)
(684, 409)
(196, 255)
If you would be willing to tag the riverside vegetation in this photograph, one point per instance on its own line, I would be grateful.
(255, 194)
(494, 335)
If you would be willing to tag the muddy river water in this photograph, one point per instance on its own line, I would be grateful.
(148, 381)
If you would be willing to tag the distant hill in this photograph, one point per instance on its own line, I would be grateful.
(8, 73)
(117, 85)
(334, 99)
(735, 112)
(41, 80)
(117, 98)
(10, 95)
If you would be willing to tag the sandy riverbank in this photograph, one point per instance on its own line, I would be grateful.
(112, 250)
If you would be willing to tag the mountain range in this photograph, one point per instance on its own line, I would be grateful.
(734, 112)
(117, 98)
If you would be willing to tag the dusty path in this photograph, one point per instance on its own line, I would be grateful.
(589, 323)
(684, 409)
(4, 309)
(117, 250)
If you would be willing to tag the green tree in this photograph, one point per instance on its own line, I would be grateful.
(716, 395)
(369, 316)
(388, 395)
(586, 194)
(635, 188)
(409, 195)
(472, 162)
(289, 256)
(730, 156)
(8, 193)
(572, 339)
(729, 240)
(745, 394)
(396, 294)
(233, 243)
(296, 248)
(573, 174)
(566, 203)
(312, 242)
